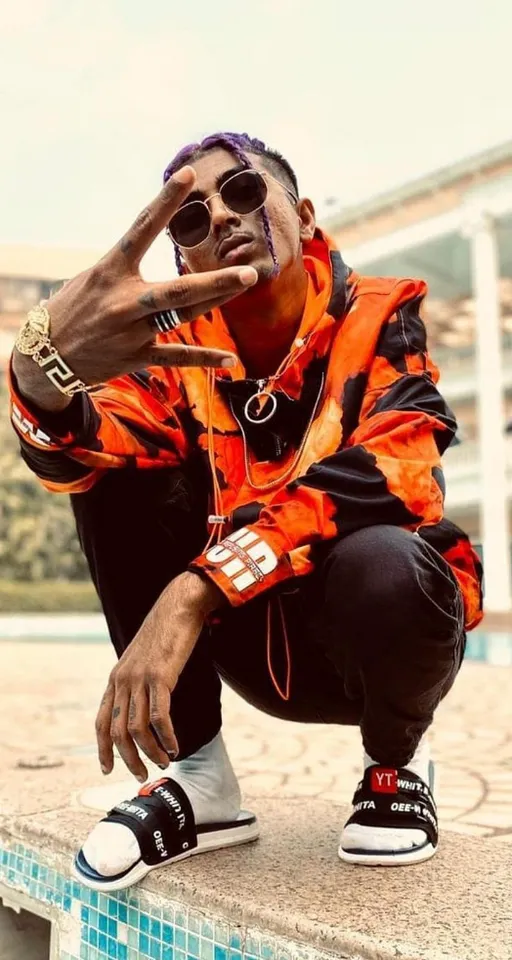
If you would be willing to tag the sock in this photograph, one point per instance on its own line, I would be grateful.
(357, 836)
(210, 783)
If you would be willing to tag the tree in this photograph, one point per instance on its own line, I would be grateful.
(37, 532)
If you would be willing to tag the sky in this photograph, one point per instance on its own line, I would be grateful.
(96, 96)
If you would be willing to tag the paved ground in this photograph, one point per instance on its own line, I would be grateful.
(50, 692)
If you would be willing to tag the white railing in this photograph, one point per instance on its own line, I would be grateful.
(462, 471)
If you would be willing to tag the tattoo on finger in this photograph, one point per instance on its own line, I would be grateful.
(133, 709)
(125, 245)
(115, 713)
(148, 300)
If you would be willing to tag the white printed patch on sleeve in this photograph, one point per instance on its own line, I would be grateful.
(25, 426)
(244, 558)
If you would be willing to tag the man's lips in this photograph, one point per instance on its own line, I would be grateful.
(232, 242)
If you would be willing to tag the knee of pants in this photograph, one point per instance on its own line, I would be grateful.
(388, 571)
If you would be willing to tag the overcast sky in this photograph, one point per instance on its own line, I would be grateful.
(97, 95)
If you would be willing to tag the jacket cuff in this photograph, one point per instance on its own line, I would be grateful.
(243, 565)
(41, 428)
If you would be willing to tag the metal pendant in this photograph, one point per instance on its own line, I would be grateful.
(271, 402)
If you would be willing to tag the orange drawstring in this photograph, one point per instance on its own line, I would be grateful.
(217, 533)
(217, 493)
(286, 694)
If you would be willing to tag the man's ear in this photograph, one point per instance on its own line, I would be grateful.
(307, 217)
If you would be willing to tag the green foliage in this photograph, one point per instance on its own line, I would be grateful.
(48, 596)
(37, 533)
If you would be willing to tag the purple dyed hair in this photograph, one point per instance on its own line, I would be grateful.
(238, 144)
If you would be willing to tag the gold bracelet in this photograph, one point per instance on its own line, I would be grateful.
(57, 370)
(33, 340)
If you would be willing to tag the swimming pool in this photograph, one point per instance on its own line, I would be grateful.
(483, 646)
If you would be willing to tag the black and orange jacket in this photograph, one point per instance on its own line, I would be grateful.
(356, 438)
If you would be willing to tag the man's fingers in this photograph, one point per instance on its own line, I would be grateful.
(159, 717)
(181, 355)
(122, 739)
(155, 217)
(103, 724)
(195, 289)
(139, 729)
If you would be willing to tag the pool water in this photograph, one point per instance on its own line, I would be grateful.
(482, 646)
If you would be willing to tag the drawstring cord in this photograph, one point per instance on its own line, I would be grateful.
(219, 520)
(286, 694)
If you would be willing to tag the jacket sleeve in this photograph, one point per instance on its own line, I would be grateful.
(133, 420)
(386, 471)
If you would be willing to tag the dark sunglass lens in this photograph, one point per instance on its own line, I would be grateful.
(190, 225)
(244, 192)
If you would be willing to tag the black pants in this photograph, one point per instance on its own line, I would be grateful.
(376, 633)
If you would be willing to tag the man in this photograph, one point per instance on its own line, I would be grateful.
(259, 495)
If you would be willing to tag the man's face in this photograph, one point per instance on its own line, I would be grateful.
(212, 254)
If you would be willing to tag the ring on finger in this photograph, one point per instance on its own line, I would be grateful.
(165, 321)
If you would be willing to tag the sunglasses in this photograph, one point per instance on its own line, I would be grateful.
(243, 193)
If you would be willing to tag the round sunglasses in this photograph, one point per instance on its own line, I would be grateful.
(243, 193)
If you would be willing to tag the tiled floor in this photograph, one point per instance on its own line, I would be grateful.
(53, 691)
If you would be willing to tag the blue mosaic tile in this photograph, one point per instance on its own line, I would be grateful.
(221, 933)
(206, 949)
(193, 946)
(129, 926)
(235, 940)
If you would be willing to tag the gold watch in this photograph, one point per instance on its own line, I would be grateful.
(33, 340)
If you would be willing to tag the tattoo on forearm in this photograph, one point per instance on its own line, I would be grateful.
(148, 300)
(115, 713)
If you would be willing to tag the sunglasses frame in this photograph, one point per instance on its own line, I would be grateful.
(262, 174)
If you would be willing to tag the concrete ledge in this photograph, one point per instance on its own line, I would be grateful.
(291, 884)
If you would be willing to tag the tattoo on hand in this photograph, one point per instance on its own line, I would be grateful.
(148, 300)
(115, 713)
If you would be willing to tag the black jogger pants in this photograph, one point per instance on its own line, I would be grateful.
(376, 634)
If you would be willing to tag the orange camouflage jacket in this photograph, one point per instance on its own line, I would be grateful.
(356, 438)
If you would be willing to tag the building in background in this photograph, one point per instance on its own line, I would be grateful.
(27, 275)
(454, 229)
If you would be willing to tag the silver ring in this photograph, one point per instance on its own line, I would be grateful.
(261, 393)
(165, 321)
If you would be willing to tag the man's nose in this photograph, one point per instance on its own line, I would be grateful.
(222, 216)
